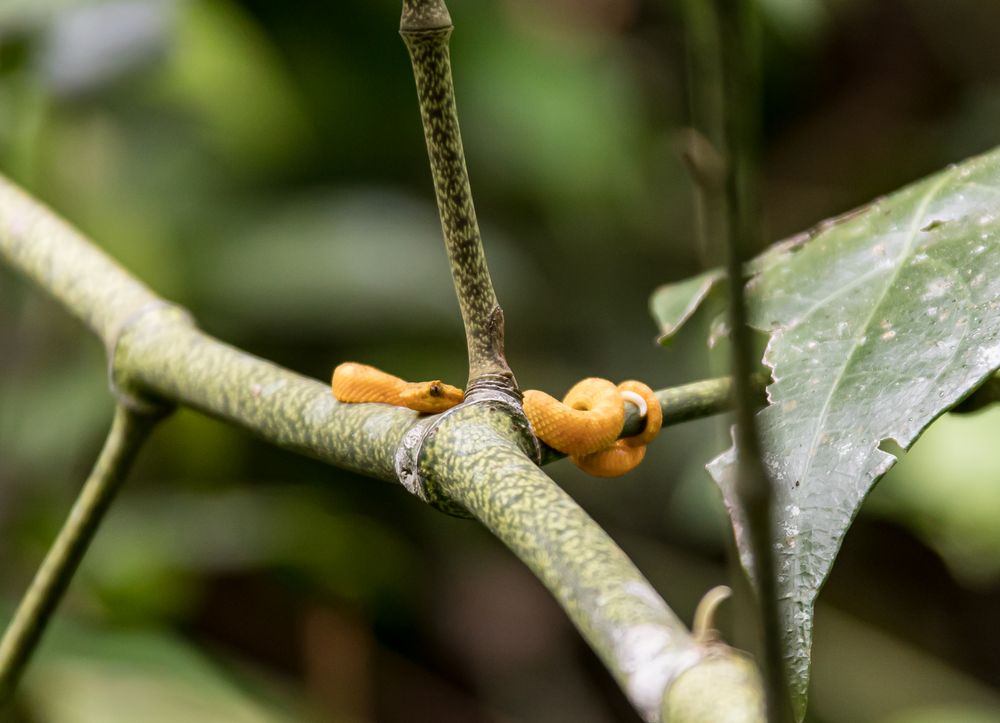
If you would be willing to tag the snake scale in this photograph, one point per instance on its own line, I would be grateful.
(585, 425)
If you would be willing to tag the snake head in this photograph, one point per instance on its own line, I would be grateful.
(431, 397)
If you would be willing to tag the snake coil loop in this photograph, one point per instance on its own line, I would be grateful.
(626, 453)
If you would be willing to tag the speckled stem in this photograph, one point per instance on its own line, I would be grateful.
(129, 429)
(59, 259)
(426, 27)
(166, 356)
(479, 458)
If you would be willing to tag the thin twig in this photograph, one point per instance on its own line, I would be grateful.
(129, 430)
(426, 28)
(738, 24)
(697, 400)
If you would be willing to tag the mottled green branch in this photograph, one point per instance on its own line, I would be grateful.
(163, 354)
(159, 352)
(478, 457)
(426, 28)
(129, 429)
(166, 356)
(59, 259)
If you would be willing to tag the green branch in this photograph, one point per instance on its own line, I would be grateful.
(163, 354)
(129, 429)
(479, 458)
(59, 259)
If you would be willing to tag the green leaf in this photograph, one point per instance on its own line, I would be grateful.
(673, 304)
(878, 324)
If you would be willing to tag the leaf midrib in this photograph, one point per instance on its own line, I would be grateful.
(914, 229)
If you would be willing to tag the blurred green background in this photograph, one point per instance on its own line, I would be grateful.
(262, 163)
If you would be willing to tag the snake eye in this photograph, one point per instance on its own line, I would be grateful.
(435, 389)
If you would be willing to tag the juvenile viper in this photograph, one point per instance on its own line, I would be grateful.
(585, 425)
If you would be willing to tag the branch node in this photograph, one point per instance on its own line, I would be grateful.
(495, 394)
(126, 393)
(423, 15)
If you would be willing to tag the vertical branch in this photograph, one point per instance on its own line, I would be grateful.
(426, 28)
(129, 430)
(740, 54)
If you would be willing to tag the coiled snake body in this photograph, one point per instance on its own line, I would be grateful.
(585, 425)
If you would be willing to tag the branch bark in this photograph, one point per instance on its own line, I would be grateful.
(426, 28)
(59, 259)
(478, 457)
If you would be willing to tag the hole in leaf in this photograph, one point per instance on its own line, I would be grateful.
(891, 446)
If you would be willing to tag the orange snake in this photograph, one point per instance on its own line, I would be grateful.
(585, 425)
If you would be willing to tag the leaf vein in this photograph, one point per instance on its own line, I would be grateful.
(918, 217)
